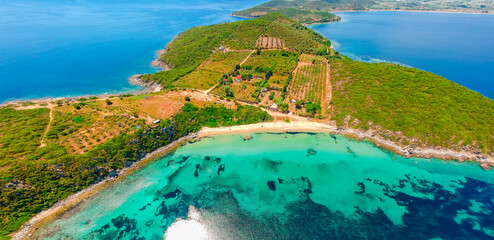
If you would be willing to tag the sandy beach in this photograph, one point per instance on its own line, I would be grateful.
(74, 200)
(308, 126)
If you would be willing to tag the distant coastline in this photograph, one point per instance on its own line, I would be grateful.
(420, 11)
(377, 10)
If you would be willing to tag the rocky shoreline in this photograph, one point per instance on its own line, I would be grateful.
(148, 86)
(74, 200)
(159, 62)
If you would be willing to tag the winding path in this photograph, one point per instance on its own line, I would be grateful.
(245, 60)
(216, 85)
(49, 106)
(42, 143)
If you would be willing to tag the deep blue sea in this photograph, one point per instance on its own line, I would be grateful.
(53, 48)
(459, 47)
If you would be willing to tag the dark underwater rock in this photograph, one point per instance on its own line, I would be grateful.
(173, 194)
(311, 152)
(196, 172)
(272, 185)
(221, 168)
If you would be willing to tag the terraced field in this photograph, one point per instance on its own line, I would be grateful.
(99, 132)
(264, 42)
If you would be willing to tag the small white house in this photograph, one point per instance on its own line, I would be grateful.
(274, 106)
(156, 121)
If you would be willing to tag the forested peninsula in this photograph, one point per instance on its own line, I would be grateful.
(268, 69)
(318, 11)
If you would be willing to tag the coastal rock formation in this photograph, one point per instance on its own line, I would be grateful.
(112, 173)
(160, 62)
(149, 86)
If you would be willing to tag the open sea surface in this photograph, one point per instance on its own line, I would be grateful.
(459, 47)
(288, 186)
(54, 48)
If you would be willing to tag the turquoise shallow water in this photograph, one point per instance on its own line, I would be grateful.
(288, 186)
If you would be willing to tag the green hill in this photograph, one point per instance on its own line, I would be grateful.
(405, 104)
(412, 106)
(192, 47)
(305, 12)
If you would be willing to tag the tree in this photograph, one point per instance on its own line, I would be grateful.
(187, 98)
(312, 108)
(108, 102)
(228, 92)
(258, 51)
(269, 74)
(284, 107)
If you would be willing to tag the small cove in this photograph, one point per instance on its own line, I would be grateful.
(279, 186)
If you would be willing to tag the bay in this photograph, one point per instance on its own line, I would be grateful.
(287, 186)
(456, 46)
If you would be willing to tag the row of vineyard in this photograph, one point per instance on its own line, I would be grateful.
(312, 59)
(309, 83)
(269, 43)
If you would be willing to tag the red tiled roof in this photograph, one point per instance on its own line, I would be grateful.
(239, 76)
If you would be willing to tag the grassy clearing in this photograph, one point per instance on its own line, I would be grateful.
(199, 79)
(20, 134)
(224, 62)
